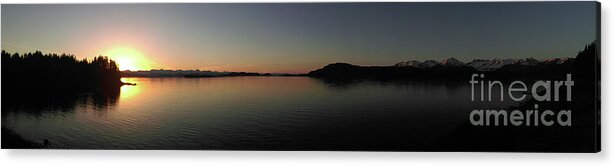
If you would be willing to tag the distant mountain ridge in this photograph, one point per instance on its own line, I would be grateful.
(195, 73)
(482, 64)
(452, 68)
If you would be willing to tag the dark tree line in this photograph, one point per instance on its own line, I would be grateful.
(33, 74)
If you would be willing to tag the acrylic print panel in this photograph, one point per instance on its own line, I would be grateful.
(500, 77)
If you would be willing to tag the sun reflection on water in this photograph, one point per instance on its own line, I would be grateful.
(129, 91)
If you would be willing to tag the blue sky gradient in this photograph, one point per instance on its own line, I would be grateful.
(299, 37)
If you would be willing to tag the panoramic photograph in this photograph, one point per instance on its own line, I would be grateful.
(419, 76)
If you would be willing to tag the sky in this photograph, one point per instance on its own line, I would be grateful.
(298, 37)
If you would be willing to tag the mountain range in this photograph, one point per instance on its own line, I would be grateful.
(452, 68)
(482, 64)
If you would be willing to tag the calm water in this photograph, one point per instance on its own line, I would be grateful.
(268, 113)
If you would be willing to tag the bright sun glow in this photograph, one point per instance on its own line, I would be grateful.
(129, 59)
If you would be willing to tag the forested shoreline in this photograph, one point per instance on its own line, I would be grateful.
(37, 73)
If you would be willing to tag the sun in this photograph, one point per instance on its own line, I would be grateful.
(129, 59)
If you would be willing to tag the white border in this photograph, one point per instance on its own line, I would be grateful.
(155, 158)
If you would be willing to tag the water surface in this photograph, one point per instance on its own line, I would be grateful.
(266, 113)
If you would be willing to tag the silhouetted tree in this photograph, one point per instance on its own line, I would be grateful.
(62, 74)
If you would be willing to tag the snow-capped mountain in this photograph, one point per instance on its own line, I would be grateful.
(452, 62)
(413, 63)
(482, 64)
(494, 64)
(557, 60)
(430, 63)
(417, 64)
(529, 61)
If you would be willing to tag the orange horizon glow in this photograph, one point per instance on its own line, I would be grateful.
(129, 59)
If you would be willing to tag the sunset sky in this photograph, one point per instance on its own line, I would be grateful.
(298, 37)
